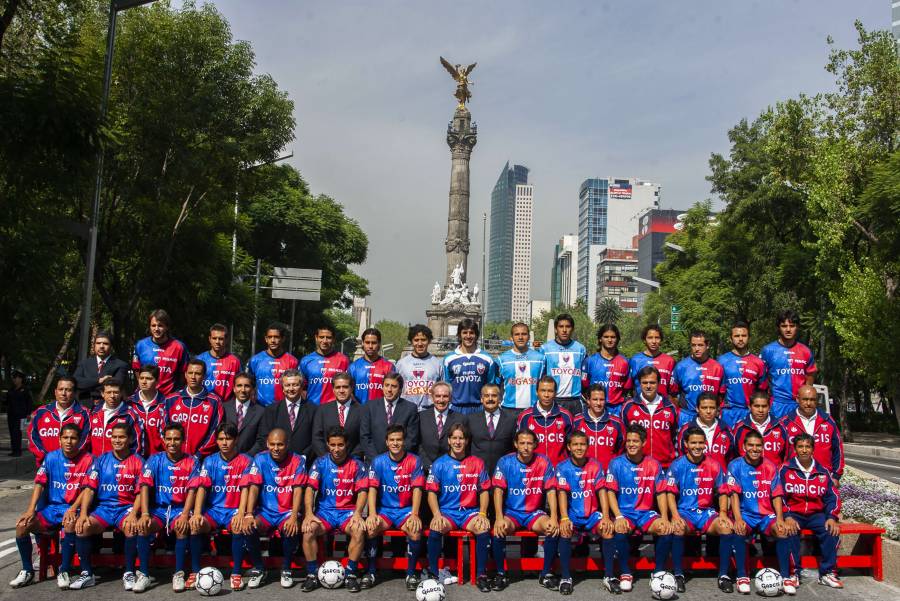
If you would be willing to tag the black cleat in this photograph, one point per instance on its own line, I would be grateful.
(310, 584)
(500, 582)
(367, 581)
(612, 585)
(549, 581)
(352, 584)
(483, 583)
(566, 587)
(726, 585)
(412, 582)
(679, 583)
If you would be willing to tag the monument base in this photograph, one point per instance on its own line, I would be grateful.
(444, 319)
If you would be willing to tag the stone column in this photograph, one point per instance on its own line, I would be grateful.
(461, 137)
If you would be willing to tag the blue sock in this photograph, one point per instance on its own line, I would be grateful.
(312, 567)
(130, 552)
(783, 551)
(25, 551)
(661, 551)
(351, 566)
(435, 542)
(498, 548)
(413, 550)
(565, 556)
(623, 550)
(196, 543)
(609, 556)
(551, 543)
(739, 546)
(252, 543)
(67, 551)
(237, 553)
(143, 549)
(481, 550)
(372, 545)
(724, 554)
(289, 547)
(678, 554)
(795, 551)
(83, 546)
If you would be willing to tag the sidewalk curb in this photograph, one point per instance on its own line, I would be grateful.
(871, 451)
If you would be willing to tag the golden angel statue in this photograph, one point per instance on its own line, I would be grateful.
(460, 75)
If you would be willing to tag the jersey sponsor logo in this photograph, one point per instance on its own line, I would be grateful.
(218, 382)
(467, 378)
(395, 489)
(699, 491)
(565, 371)
(320, 380)
(193, 418)
(67, 485)
(551, 436)
(462, 487)
(117, 487)
(527, 491)
(369, 386)
(226, 488)
(271, 488)
(793, 371)
(635, 490)
(755, 494)
(811, 489)
(48, 432)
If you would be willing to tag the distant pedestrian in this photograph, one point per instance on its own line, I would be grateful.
(18, 407)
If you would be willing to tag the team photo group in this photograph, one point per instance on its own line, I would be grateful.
(575, 446)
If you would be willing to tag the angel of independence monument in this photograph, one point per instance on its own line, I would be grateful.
(454, 301)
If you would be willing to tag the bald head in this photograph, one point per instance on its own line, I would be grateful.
(807, 400)
(276, 442)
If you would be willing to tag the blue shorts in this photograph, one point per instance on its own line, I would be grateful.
(220, 517)
(111, 515)
(271, 520)
(395, 517)
(733, 415)
(586, 524)
(686, 416)
(699, 519)
(640, 520)
(459, 518)
(334, 519)
(524, 520)
(780, 410)
(164, 516)
(615, 409)
(51, 516)
(761, 524)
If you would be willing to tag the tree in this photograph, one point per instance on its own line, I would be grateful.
(585, 330)
(498, 329)
(608, 311)
(392, 332)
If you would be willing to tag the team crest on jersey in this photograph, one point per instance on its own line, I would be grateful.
(418, 373)
(821, 478)
(460, 476)
(565, 358)
(480, 368)
(47, 420)
(776, 434)
(456, 369)
(522, 367)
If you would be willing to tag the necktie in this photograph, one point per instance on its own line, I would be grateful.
(240, 415)
(100, 365)
(341, 416)
(390, 412)
(292, 412)
(491, 428)
(440, 424)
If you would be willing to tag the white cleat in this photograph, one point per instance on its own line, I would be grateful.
(831, 579)
(84, 580)
(141, 583)
(626, 583)
(62, 580)
(178, 581)
(23, 578)
(128, 581)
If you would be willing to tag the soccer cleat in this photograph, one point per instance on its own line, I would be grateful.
(626, 582)
(287, 580)
(725, 584)
(310, 584)
(141, 582)
(62, 580)
(412, 581)
(178, 584)
(500, 582)
(789, 586)
(831, 579)
(549, 582)
(483, 583)
(84, 580)
(237, 583)
(367, 581)
(679, 583)
(566, 587)
(128, 581)
(352, 583)
(191, 581)
(612, 585)
(23, 578)
(743, 585)
(255, 578)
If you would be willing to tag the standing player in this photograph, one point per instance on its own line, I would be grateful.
(160, 349)
(520, 368)
(719, 440)
(605, 433)
(564, 361)
(420, 369)
(221, 366)
(54, 504)
(656, 414)
(550, 423)
(745, 373)
(396, 481)
(695, 375)
(369, 370)
(149, 404)
(341, 484)
(524, 482)
(320, 366)
(47, 421)
(467, 369)
(789, 363)
(775, 437)
(110, 412)
(267, 366)
(652, 336)
(809, 419)
(610, 368)
(197, 409)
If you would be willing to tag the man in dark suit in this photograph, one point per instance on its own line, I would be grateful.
(244, 412)
(434, 424)
(381, 413)
(93, 371)
(344, 412)
(493, 428)
(291, 415)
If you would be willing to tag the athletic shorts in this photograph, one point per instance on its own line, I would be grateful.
(164, 516)
(334, 519)
(640, 520)
(615, 410)
(762, 524)
(686, 416)
(733, 415)
(459, 518)
(395, 517)
(586, 524)
(51, 516)
(220, 517)
(271, 520)
(111, 515)
(699, 519)
(524, 520)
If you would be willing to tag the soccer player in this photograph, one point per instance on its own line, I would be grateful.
(110, 412)
(549, 422)
(809, 419)
(396, 481)
(756, 504)
(54, 503)
(268, 365)
(519, 369)
(149, 404)
(610, 368)
(656, 414)
(467, 369)
(221, 366)
(564, 361)
(652, 336)
(369, 370)
(811, 501)
(111, 488)
(695, 375)
(167, 477)
(160, 349)
(319, 366)
(582, 502)
(635, 484)
(197, 409)
(698, 502)
(219, 498)
(789, 363)
(47, 421)
(719, 440)
(605, 433)
(775, 437)
(523, 483)
(420, 369)
(335, 500)
(273, 501)
(745, 373)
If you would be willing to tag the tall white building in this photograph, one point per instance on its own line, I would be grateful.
(521, 272)
(564, 275)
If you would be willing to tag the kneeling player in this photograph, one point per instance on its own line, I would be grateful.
(341, 484)
(54, 504)
(634, 484)
(396, 480)
(583, 506)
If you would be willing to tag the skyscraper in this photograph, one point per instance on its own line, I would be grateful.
(509, 264)
(564, 275)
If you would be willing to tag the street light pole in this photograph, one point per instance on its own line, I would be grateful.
(483, 280)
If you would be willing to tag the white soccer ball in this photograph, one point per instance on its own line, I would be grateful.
(430, 590)
(768, 582)
(331, 574)
(209, 582)
(662, 585)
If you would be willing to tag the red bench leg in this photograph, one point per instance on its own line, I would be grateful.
(877, 567)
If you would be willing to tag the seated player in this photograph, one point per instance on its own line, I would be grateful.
(458, 495)
(111, 489)
(581, 499)
(54, 504)
(548, 420)
(756, 504)
(166, 504)
(811, 501)
(341, 484)
(218, 500)
(698, 501)
(719, 441)
(396, 481)
(775, 436)
(523, 483)
(605, 432)
(274, 496)
(635, 484)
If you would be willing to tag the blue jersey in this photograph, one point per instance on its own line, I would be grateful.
(467, 373)
(614, 374)
(788, 368)
(338, 485)
(368, 378)
(223, 479)
(757, 486)
(115, 481)
(636, 484)
(276, 481)
(61, 477)
(267, 371)
(581, 485)
(565, 363)
(692, 378)
(458, 483)
(697, 485)
(171, 357)
(519, 373)
(169, 480)
(525, 484)
(395, 481)
(744, 374)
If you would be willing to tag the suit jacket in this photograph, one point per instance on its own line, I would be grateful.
(374, 425)
(249, 432)
(327, 418)
(299, 439)
(492, 449)
(430, 445)
(88, 379)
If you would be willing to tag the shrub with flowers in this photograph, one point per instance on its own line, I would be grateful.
(872, 501)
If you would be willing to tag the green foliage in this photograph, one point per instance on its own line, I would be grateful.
(393, 332)
(608, 311)
(498, 329)
(585, 329)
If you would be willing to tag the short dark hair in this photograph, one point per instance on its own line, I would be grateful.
(467, 324)
(609, 327)
(694, 431)
(526, 432)
(342, 375)
(335, 432)
(218, 327)
(65, 379)
(149, 368)
(326, 326)
(197, 362)
(245, 376)
(575, 434)
(752, 434)
(707, 396)
(760, 394)
(395, 376)
(419, 329)
(804, 437)
(636, 428)
(700, 334)
(103, 334)
(651, 328)
(462, 427)
(564, 317)
(129, 430)
(395, 429)
(70, 426)
(277, 326)
(230, 429)
(160, 315)
(174, 426)
(787, 315)
(740, 323)
(519, 324)
(371, 332)
(546, 380)
(596, 387)
(111, 383)
(646, 371)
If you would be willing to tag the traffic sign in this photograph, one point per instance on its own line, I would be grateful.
(675, 318)
(297, 284)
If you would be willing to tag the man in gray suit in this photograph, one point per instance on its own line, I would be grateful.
(345, 412)
(493, 428)
(434, 424)
(244, 412)
(378, 414)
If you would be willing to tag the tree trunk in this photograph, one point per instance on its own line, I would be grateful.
(6, 18)
(59, 356)
(846, 434)
(895, 398)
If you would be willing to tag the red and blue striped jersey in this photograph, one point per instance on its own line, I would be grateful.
(774, 439)
(153, 419)
(396, 480)
(551, 431)
(807, 493)
(61, 477)
(318, 370)
(692, 378)
(276, 481)
(101, 428)
(223, 479)
(338, 485)
(581, 485)
(744, 375)
(565, 364)
(662, 362)
(719, 445)
(368, 377)
(458, 483)
(169, 480)
(757, 486)
(614, 374)
(525, 484)
(467, 373)
(267, 371)
(829, 448)
(220, 373)
(636, 484)
(787, 368)
(115, 482)
(606, 436)
(43, 431)
(171, 357)
(200, 415)
(697, 485)
(661, 426)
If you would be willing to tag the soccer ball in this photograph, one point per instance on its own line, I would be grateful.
(662, 585)
(430, 590)
(331, 574)
(209, 582)
(768, 582)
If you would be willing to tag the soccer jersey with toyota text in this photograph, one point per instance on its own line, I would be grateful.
(419, 375)
(565, 363)
(267, 371)
(526, 485)
(458, 483)
(368, 378)
(613, 374)
(62, 477)
(220, 373)
(395, 481)
(318, 370)
(276, 481)
(338, 484)
(581, 485)
(171, 357)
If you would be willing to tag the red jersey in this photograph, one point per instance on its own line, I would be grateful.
(154, 419)
(661, 425)
(606, 436)
(829, 448)
(102, 425)
(43, 431)
(551, 431)
(200, 415)
(806, 493)
(719, 442)
(774, 439)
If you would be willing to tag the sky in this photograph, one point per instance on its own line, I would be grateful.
(572, 90)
